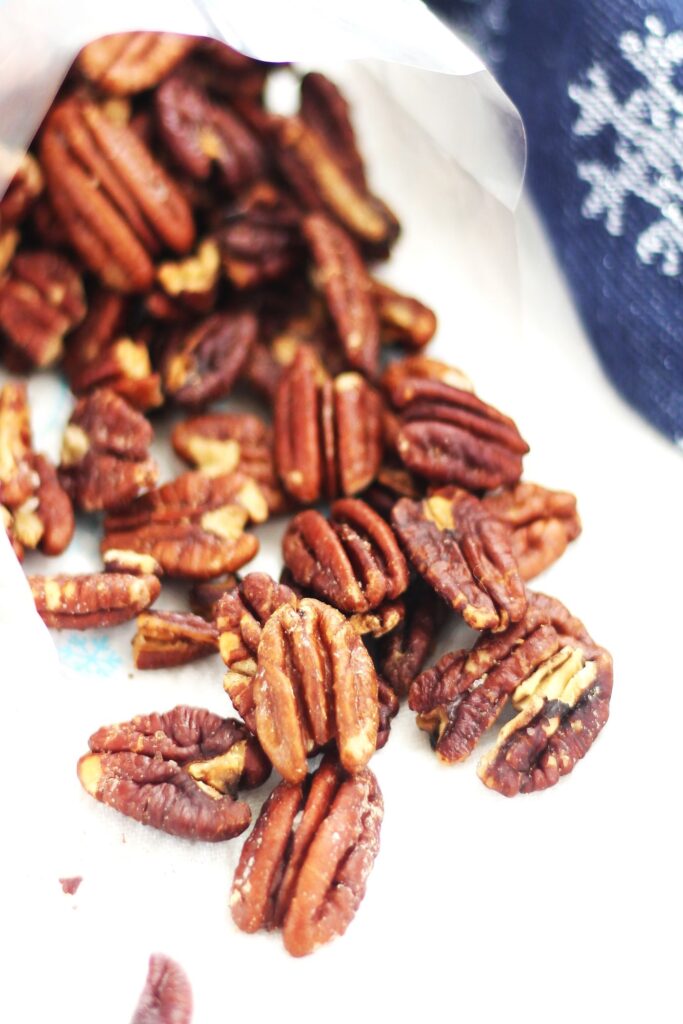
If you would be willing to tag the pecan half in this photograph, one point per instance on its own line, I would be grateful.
(399, 374)
(304, 867)
(543, 523)
(464, 553)
(167, 996)
(53, 509)
(403, 653)
(17, 480)
(40, 301)
(326, 111)
(343, 277)
(22, 192)
(351, 561)
(315, 683)
(93, 599)
(166, 639)
(177, 772)
(204, 364)
(104, 461)
(403, 320)
(129, 62)
(115, 201)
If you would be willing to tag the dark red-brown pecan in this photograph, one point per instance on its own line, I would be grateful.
(403, 652)
(129, 62)
(41, 300)
(543, 523)
(104, 460)
(464, 553)
(389, 707)
(193, 281)
(392, 482)
(167, 996)
(450, 436)
(326, 111)
(201, 134)
(227, 73)
(399, 374)
(166, 639)
(178, 772)
(343, 277)
(403, 320)
(17, 480)
(315, 683)
(93, 599)
(305, 866)
(466, 691)
(204, 597)
(22, 192)
(259, 236)
(116, 202)
(321, 183)
(352, 560)
(203, 364)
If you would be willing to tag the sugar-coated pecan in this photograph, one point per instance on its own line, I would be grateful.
(166, 639)
(259, 236)
(178, 771)
(200, 134)
(129, 62)
(22, 192)
(352, 560)
(167, 995)
(115, 201)
(104, 460)
(53, 507)
(543, 523)
(403, 652)
(464, 553)
(403, 320)
(344, 279)
(17, 479)
(40, 301)
(305, 866)
(93, 599)
(398, 376)
(315, 683)
(203, 364)
(450, 436)
(326, 111)
(193, 281)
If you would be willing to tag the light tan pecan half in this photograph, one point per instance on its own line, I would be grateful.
(92, 600)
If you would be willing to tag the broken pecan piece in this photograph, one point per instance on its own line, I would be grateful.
(351, 561)
(315, 683)
(404, 651)
(203, 365)
(177, 772)
(401, 372)
(167, 996)
(93, 599)
(193, 281)
(53, 507)
(304, 867)
(166, 639)
(204, 597)
(543, 523)
(104, 461)
(129, 62)
(403, 320)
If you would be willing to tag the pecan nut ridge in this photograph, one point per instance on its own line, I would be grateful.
(93, 599)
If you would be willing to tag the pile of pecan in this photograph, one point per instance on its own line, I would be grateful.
(170, 240)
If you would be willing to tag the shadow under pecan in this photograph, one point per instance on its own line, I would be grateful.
(464, 553)
(202, 364)
(204, 597)
(352, 560)
(542, 522)
(305, 866)
(41, 300)
(92, 600)
(178, 772)
(129, 62)
(545, 655)
(104, 461)
(167, 996)
(402, 654)
(115, 201)
(167, 639)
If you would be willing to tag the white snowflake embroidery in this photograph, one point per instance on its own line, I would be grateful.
(88, 652)
(648, 148)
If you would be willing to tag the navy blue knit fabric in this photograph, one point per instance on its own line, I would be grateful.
(600, 88)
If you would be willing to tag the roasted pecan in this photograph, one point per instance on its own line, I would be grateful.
(315, 683)
(118, 560)
(305, 865)
(40, 301)
(7, 524)
(9, 240)
(351, 561)
(104, 459)
(177, 772)
(464, 554)
(450, 436)
(53, 508)
(104, 322)
(200, 134)
(93, 599)
(226, 72)
(466, 691)
(128, 62)
(204, 597)
(115, 201)
(343, 277)
(22, 192)
(203, 364)
(392, 482)
(380, 621)
(167, 996)
(193, 281)
(326, 111)
(17, 480)
(166, 639)
(401, 372)
(402, 654)
(388, 708)
(403, 320)
(543, 522)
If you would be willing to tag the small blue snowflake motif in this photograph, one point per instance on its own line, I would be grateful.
(88, 653)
